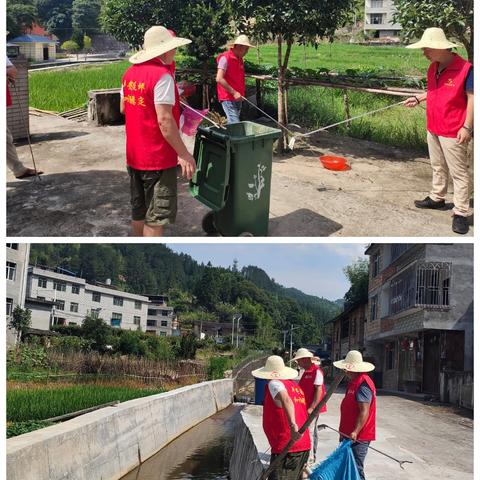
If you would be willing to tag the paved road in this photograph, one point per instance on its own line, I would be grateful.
(438, 439)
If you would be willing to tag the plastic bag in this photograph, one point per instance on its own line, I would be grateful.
(340, 465)
(191, 120)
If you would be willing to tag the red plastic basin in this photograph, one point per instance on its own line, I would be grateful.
(335, 163)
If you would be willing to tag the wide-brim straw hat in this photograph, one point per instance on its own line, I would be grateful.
(275, 369)
(242, 40)
(433, 38)
(353, 362)
(157, 41)
(305, 353)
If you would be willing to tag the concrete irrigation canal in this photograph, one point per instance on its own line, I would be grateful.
(197, 433)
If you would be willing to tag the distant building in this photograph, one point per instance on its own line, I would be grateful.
(36, 48)
(74, 299)
(379, 18)
(18, 255)
(161, 319)
(419, 328)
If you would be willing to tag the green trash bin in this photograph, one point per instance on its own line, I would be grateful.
(234, 169)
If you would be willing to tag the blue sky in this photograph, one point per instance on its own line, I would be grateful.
(313, 268)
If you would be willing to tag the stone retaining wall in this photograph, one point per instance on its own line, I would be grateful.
(108, 443)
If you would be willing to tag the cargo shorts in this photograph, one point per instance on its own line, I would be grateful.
(291, 467)
(153, 195)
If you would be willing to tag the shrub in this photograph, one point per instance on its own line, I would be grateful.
(217, 367)
(70, 344)
(27, 357)
(19, 428)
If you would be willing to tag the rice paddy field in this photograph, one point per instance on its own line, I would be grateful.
(310, 107)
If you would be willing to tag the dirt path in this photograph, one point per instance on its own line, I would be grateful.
(84, 191)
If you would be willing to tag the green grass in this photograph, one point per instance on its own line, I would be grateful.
(41, 403)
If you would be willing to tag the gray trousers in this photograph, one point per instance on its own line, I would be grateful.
(360, 452)
(13, 163)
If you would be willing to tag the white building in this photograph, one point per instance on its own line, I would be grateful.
(18, 255)
(161, 319)
(379, 18)
(74, 299)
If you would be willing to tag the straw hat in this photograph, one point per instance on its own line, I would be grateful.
(353, 362)
(242, 40)
(275, 369)
(305, 353)
(157, 41)
(433, 38)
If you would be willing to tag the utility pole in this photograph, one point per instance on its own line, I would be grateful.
(239, 316)
(292, 328)
(284, 338)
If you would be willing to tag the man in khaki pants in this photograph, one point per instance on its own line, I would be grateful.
(449, 100)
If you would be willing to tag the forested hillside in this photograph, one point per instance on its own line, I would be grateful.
(197, 291)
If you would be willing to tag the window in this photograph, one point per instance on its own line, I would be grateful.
(60, 286)
(136, 320)
(402, 291)
(399, 249)
(14, 246)
(118, 301)
(40, 298)
(60, 305)
(9, 306)
(42, 282)
(374, 307)
(376, 264)
(59, 321)
(76, 289)
(433, 284)
(163, 334)
(376, 4)
(165, 313)
(116, 319)
(344, 328)
(72, 323)
(138, 305)
(96, 297)
(11, 270)
(376, 18)
(390, 358)
(164, 323)
(151, 323)
(74, 307)
(151, 312)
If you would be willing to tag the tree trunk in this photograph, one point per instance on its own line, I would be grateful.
(205, 99)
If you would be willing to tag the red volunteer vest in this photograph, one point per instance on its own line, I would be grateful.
(234, 76)
(446, 98)
(147, 149)
(306, 384)
(275, 422)
(349, 410)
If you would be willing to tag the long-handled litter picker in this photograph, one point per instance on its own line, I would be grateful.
(24, 123)
(400, 462)
(278, 460)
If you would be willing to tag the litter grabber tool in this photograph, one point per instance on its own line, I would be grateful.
(311, 418)
(291, 142)
(24, 124)
(203, 116)
(400, 462)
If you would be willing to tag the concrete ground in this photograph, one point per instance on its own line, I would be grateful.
(437, 439)
(84, 191)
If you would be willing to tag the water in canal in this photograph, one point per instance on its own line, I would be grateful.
(202, 453)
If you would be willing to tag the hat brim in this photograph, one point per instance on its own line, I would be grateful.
(146, 55)
(286, 373)
(442, 45)
(354, 367)
(245, 44)
(294, 359)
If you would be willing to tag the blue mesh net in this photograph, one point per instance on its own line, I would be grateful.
(340, 465)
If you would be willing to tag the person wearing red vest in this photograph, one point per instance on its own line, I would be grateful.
(14, 164)
(150, 101)
(284, 413)
(449, 98)
(231, 78)
(312, 383)
(358, 409)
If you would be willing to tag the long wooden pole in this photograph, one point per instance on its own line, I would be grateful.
(274, 465)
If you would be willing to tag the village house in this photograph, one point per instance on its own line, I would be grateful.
(161, 319)
(379, 19)
(419, 329)
(36, 48)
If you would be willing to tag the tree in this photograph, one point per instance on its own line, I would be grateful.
(128, 20)
(70, 47)
(77, 37)
(96, 330)
(56, 16)
(207, 24)
(287, 22)
(20, 15)
(85, 15)
(20, 321)
(455, 17)
(357, 274)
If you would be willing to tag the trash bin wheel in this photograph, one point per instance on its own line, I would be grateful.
(246, 234)
(208, 224)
